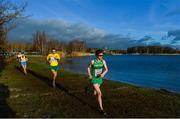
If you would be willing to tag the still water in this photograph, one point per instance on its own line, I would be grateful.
(159, 72)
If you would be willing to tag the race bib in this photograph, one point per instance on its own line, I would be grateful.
(53, 59)
(98, 72)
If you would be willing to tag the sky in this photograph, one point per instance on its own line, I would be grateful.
(103, 23)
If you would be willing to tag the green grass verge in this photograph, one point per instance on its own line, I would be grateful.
(32, 96)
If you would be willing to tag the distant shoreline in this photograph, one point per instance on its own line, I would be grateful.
(145, 54)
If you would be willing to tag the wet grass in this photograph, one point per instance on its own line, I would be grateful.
(33, 96)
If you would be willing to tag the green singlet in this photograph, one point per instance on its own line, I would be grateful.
(96, 70)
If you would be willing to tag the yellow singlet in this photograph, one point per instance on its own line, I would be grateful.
(52, 58)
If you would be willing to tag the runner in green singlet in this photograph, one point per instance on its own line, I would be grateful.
(96, 71)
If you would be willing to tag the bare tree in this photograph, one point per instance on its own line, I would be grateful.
(39, 41)
(77, 46)
(52, 43)
(62, 46)
(9, 12)
(57, 44)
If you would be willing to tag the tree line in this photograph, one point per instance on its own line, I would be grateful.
(152, 50)
(42, 43)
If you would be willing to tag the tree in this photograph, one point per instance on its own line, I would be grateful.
(16, 46)
(77, 46)
(152, 50)
(39, 42)
(43, 43)
(9, 12)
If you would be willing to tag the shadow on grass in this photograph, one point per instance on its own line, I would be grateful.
(18, 68)
(59, 86)
(5, 110)
(2, 65)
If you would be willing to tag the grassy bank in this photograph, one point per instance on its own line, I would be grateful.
(33, 96)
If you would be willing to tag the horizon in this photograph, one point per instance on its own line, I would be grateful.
(106, 23)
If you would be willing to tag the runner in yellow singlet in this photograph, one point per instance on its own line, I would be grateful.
(53, 59)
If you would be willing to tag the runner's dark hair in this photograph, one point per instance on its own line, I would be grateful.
(98, 52)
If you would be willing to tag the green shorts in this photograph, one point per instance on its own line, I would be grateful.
(97, 81)
(55, 68)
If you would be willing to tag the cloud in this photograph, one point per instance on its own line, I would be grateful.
(174, 33)
(172, 37)
(155, 43)
(114, 41)
(145, 40)
(67, 31)
(167, 38)
(94, 37)
(173, 42)
(148, 40)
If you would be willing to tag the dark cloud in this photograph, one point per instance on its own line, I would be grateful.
(113, 41)
(173, 42)
(93, 36)
(154, 43)
(148, 40)
(164, 38)
(174, 35)
(145, 39)
(177, 38)
(68, 31)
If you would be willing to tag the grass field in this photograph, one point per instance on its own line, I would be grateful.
(32, 95)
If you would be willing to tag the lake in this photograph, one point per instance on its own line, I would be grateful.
(152, 71)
